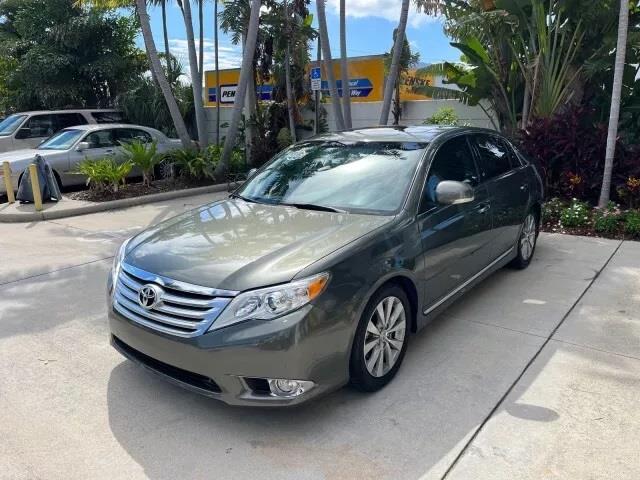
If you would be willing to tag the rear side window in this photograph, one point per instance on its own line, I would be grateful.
(66, 120)
(495, 158)
(108, 117)
(100, 139)
(126, 135)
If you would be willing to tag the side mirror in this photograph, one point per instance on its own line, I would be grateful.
(454, 193)
(23, 133)
(82, 146)
(251, 173)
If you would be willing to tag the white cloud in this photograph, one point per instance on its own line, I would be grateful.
(387, 9)
(229, 56)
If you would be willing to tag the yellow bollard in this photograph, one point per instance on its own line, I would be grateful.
(7, 182)
(35, 186)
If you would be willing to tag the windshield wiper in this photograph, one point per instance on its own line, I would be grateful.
(313, 206)
(248, 200)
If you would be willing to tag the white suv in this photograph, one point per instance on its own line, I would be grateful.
(29, 129)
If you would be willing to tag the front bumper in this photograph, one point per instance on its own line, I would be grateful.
(308, 344)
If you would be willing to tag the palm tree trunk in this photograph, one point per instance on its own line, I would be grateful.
(156, 68)
(614, 114)
(249, 112)
(346, 90)
(328, 64)
(215, 39)
(196, 83)
(394, 70)
(201, 44)
(287, 75)
(246, 72)
(165, 32)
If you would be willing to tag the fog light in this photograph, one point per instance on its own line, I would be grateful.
(282, 387)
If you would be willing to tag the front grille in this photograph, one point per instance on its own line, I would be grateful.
(182, 376)
(182, 309)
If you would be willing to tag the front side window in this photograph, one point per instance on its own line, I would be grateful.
(359, 177)
(100, 139)
(494, 156)
(40, 126)
(62, 140)
(11, 124)
(453, 161)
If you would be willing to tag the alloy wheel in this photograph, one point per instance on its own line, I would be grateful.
(385, 336)
(528, 237)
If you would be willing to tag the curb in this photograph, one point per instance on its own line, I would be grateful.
(112, 205)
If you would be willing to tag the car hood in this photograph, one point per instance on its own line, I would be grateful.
(20, 154)
(236, 245)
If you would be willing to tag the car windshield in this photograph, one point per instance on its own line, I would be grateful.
(362, 177)
(62, 140)
(10, 124)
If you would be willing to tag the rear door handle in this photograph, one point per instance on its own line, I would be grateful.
(483, 208)
(524, 186)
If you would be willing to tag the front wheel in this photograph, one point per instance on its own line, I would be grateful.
(381, 339)
(526, 242)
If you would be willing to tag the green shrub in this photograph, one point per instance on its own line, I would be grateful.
(607, 220)
(632, 223)
(144, 156)
(192, 163)
(443, 116)
(284, 138)
(552, 210)
(577, 214)
(105, 173)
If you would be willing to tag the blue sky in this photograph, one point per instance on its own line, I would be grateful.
(370, 24)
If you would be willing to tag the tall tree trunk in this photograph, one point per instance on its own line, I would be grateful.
(246, 72)
(287, 75)
(328, 64)
(394, 70)
(397, 110)
(196, 83)
(158, 72)
(614, 114)
(344, 67)
(165, 32)
(215, 39)
(249, 111)
(201, 44)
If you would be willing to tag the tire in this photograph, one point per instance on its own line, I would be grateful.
(526, 242)
(366, 373)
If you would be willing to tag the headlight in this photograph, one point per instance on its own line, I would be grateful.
(272, 302)
(117, 262)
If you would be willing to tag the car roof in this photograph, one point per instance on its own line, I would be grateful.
(106, 126)
(415, 133)
(70, 110)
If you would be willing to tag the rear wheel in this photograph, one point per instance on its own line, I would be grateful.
(381, 339)
(526, 242)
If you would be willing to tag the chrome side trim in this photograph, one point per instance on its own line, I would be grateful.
(176, 284)
(466, 283)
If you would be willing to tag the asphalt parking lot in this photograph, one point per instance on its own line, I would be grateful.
(533, 375)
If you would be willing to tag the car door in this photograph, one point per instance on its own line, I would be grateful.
(456, 239)
(34, 131)
(508, 184)
(101, 145)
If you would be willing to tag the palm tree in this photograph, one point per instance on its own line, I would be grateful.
(246, 72)
(201, 44)
(167, 51)
(215, 39)
(346, 90)
(196, 77)
(394, 69)
(614, 114)
(287, 74)
(328, 63)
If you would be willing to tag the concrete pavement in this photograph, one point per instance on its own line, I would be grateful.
(534, 374)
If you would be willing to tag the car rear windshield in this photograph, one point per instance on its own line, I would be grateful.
(10, 124)
(362, 177)
(63, 140)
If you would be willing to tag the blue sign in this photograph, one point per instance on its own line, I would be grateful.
(315, 73)
(358, 87)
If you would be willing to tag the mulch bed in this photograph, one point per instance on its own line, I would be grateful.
(137, 190)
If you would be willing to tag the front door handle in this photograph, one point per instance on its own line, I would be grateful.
(483, 208)
(524, 187)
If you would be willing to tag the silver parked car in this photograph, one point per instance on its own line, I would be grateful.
(317, 270)
(66, 149)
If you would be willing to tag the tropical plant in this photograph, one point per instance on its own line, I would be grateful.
(408, 59)
(632, 223)
(444, 116)
(394, 68)
(344, 68)
(607, 220)
(192, 163)
(144, 156)
(614, 114)
(105, 173)
(576, 214)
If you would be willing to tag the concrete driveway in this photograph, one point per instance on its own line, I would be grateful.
(533, 375)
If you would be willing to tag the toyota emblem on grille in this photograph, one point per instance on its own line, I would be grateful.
(149, 296)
